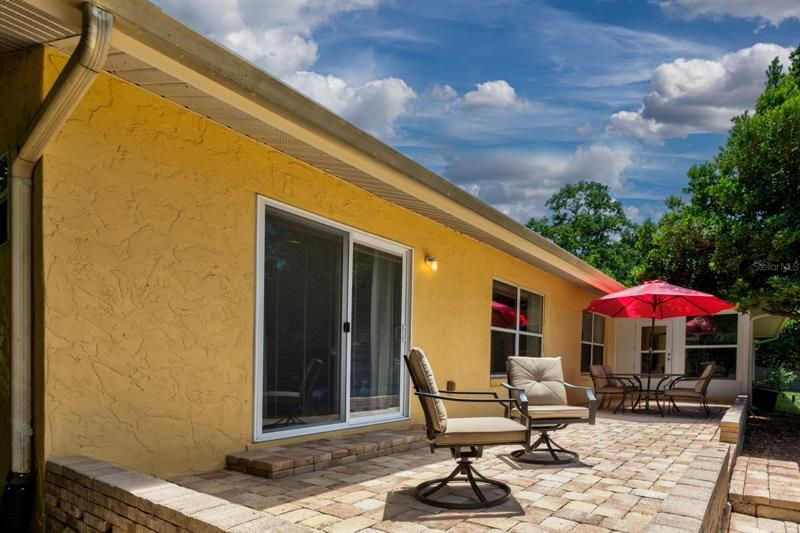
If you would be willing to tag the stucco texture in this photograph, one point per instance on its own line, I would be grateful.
(148, 239)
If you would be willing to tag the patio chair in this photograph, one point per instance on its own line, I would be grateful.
(292, 402)
(537, 384)
(608, 384)
(465, 437)
(699, 392)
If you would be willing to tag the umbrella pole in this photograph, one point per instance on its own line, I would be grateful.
(653, 334)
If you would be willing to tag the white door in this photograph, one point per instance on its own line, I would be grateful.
(661, 360)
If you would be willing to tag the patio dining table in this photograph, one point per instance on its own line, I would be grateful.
(652, 386)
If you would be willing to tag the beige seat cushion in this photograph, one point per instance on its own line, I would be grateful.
(484, 430)
(705, 376)
(541, 377)
(683, 393)
(543, 412)
(423, 377)
(600, 373)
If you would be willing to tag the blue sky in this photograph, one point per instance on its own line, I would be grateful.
(512, 100)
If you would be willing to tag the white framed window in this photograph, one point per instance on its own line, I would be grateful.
(593, 340)
(516, 326)
(332, 315)
(712, 338)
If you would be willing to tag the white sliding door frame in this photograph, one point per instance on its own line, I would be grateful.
(353, 236)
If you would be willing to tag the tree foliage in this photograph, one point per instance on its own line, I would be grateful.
(738, 234)
(588, 222)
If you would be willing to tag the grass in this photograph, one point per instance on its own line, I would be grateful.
(785, 404)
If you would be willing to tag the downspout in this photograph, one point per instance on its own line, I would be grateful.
(67, 91)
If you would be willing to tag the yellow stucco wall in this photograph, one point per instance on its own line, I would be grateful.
(148, 258)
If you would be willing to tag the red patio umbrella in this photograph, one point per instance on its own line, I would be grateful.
(657, 300)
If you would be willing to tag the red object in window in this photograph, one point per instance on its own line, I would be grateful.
(505, 316)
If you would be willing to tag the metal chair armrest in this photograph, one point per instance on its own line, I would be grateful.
(490, 393)
(520, 399)
(589, 396)
(631, 379)
(505, 402)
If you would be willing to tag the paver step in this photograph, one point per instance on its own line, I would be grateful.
(291, 459)
(766, 488)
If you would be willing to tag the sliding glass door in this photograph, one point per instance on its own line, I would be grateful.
(303, 306)
(376, 343)
(332, 314)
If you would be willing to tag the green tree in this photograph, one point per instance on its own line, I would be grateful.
(588, 222)
(739, 232)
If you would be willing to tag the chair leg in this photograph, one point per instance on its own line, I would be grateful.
(621, 404)
(545, 445)
(464, 472)
(675, 405)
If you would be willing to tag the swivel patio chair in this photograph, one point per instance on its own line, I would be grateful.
(465, 437)
(699, 392)
(537, 384)
(607, 384)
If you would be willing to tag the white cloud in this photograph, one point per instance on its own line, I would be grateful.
(492, 94)
(374, 105)
(520, 182)
(443, 93)
(770, 11)
(280, 38)
(699, 95)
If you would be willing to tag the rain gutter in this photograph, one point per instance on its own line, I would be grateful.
(71, 85)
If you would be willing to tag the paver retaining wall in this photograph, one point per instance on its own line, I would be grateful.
(698, 502)
(90, 496)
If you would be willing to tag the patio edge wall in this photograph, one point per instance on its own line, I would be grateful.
(90, 496)
(698, 502)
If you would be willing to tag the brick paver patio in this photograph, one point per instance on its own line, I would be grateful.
(629, 464)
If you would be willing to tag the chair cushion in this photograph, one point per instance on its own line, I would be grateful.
(542, 412)
(484, 430)
(423, 375)
(683, 393)
(541, 377)
(601, 373)
(705, 376)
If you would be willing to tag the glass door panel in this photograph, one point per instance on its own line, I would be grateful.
(658, 364)
(377, 332)
(302, 365)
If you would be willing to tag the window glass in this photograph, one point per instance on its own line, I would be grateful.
(530, 345)
(586, 327)
(530, 312)
(711, 330)
(599, 329)
(712, 338)
(725, 359)
(504, 306)
(516, 327)
(592, 340)
(502, 348)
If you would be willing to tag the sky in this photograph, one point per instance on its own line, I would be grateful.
(511, 100)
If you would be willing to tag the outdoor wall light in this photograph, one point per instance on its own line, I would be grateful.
(432, 262)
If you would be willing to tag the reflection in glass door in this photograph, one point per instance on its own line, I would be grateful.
(375, 344)
(302, 364)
